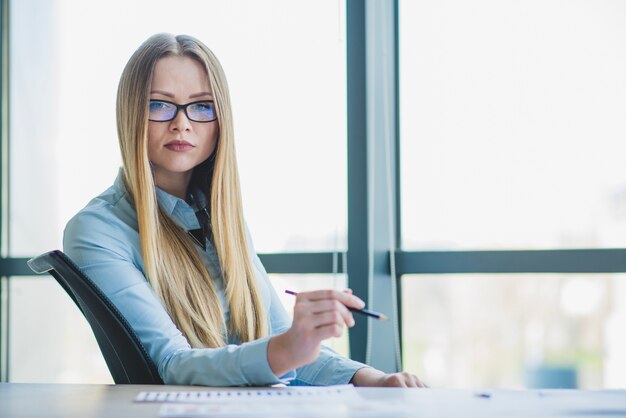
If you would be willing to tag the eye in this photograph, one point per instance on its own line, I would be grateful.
(156, 105)
(203, 107)
(202, 111)
(160, 111)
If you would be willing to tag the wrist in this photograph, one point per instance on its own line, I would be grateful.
(285, 353)
(279, 354)
(367, 376)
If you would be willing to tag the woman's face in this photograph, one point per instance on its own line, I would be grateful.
(175, 147)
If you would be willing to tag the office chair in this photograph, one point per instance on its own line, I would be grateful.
(125, 356)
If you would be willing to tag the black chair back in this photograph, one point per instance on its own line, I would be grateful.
(125, 356)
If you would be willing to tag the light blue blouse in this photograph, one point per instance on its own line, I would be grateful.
(103, 239)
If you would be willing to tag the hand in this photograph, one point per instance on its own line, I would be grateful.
(368, 376)
(317, 315)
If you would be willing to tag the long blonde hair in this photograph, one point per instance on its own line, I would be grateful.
(173, 266)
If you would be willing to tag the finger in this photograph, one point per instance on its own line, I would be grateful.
(304, 308)
(327, 305)
(324, 294)
(328, 318)
(349, 300)
(413, 381)
(348, 291)
(404, 380)
(398, 381)
(328, 331)
(330, 305)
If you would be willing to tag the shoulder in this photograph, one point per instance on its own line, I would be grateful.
(107, 224)
(108, 211)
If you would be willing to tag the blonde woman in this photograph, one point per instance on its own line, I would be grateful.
(168, 243)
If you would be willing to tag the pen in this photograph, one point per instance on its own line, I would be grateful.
(363, 311)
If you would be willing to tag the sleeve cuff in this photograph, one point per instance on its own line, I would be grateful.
(255, 366)
(338, 374)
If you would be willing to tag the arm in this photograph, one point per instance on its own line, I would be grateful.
(317, 316)
(108, 251)
(327, 368)
(322, 314)
(324, 367)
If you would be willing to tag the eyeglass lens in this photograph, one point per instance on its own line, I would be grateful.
(162, 111)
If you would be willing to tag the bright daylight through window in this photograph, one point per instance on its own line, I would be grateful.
(513, 138)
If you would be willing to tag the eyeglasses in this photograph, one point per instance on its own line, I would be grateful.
(164, 111)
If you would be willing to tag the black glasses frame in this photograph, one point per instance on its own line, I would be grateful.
(184, 107)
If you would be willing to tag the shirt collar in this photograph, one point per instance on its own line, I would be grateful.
(169, 203)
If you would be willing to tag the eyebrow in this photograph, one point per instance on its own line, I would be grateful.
(203, 93)
(191, 96)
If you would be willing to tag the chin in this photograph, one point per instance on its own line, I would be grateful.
(180, 166)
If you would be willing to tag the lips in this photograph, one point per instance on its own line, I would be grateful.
(179, 145)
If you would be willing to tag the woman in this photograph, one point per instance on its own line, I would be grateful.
(168, 243)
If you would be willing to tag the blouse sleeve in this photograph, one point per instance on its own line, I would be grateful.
(330, 368)
(106, 249)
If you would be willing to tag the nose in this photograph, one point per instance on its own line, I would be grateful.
(180, 122)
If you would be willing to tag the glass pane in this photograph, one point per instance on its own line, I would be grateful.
(50, 340)
(285, 58)
(512, 123)
(515, 331)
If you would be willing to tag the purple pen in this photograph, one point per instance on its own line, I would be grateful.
(364, 311)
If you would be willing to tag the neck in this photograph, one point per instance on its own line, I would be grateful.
(176, 185)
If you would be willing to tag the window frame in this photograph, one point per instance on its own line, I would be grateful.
(373, 274)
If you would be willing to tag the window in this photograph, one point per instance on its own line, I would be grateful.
(285, 64)
(511, 122)
(477, 330)
(512, 138)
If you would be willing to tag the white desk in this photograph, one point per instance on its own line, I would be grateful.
(85, 401)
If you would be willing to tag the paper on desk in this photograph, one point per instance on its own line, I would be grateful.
(301, 402)
(330, 409)
(442, 403)
(298, 394)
